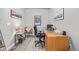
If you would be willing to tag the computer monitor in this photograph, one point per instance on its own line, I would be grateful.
(49, 26)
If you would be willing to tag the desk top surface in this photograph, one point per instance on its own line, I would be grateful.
(52, 34)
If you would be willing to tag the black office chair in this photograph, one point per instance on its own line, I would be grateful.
(40, 35)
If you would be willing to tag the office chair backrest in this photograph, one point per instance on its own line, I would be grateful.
(35, 30)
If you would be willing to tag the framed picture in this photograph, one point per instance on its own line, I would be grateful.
(37, 20)
(15, 14)
(59, 14)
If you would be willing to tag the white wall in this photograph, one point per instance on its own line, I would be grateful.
(31, 12)
(70, 24)
(7, 26)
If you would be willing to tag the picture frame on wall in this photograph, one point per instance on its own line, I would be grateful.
(37, 20)
(59, 14)
(14, 14)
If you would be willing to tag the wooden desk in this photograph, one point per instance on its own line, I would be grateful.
(55, 42)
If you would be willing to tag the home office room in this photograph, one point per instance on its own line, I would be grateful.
(39, 29)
